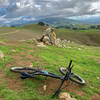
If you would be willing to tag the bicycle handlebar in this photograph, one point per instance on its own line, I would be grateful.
(69, 66)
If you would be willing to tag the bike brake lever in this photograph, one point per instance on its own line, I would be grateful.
(72, 67)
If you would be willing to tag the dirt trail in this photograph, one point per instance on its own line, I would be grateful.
(13, 84)
(95, 97)
(19, 35)
(70, 86)
(9, 33)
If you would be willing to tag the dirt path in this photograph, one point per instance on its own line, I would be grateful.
(9, 33)
(13, 84)
(19, 35)
(95, 97)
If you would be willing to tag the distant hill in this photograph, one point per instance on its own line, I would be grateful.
(24, 20)
(59, 21)
(54, 21)
(90, 20)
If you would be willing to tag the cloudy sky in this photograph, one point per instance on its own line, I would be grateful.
(14, 9)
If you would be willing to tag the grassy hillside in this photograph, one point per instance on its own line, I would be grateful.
(87, 37)
(21, 33)
(86, 62)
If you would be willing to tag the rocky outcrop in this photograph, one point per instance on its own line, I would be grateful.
(59, 42)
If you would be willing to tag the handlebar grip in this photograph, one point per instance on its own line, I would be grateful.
(69, 65)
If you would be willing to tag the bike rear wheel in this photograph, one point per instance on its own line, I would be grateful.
(73, 77)
(24, 69)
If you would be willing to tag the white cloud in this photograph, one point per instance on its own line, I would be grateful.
(4, 3)
(49, 8)
(96, 6)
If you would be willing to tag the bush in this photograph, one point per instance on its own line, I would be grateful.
(98, 26)
(93, 27)
(41, 23)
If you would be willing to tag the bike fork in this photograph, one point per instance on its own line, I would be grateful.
(65, 78)
(59, 89)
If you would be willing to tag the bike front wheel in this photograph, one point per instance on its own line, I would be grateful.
(73, 77)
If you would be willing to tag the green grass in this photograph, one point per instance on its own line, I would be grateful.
(87, 37)
(86, 61)
(83, 59)
(4, 30)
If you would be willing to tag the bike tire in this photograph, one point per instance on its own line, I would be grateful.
(73, 77)
(23, 69)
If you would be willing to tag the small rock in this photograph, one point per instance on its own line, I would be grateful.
(68, 41)
(64, 46)
(64, 43)
(1, 55)
(13, 50)
(31, 65)
(34, 41)
(41, 45)
(66, 96)
(79, 48)
(44, 87)
(98, 78)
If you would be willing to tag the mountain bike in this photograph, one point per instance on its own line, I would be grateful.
(67, 74)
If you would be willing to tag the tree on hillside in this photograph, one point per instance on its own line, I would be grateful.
(47, 24)
(93, 27)
(75, 28)
(82, 28)
(41, 23)
(67, 27)
(98, 26)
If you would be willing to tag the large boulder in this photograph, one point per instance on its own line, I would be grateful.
(46, 40)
